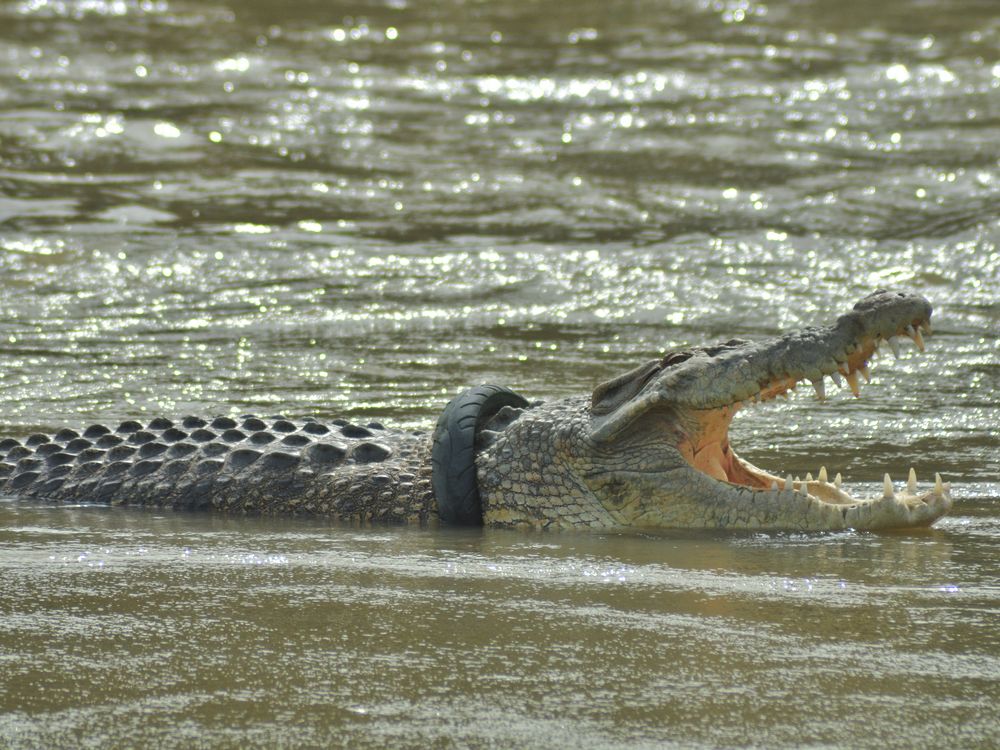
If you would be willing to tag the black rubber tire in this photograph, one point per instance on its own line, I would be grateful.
(453, 453)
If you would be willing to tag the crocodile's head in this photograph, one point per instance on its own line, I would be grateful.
(652, 449)
(687, 401)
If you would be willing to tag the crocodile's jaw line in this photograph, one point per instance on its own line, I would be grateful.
(706, 448)
(702, 439)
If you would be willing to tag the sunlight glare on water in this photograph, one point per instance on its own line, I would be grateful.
(356, 212)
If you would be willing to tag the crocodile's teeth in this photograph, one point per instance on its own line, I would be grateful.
(844, 368)
(887, 490)
(911, 482)
(852, 380)
(774, 485)
(894, 344)
(938, 485)
(837, 481)
(809, 476)
(822, 474)
(914, 333)
(788, 482)
(837, 380)
(863, 369)
(820, 389)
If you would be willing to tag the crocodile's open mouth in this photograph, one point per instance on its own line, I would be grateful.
(687, 400)
(707, 449)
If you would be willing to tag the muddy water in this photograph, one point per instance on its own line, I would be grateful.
(354, 211)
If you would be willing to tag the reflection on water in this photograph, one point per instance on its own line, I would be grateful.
(355, 210)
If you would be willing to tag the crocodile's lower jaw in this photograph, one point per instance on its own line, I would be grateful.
(707, 448)
(824, 491)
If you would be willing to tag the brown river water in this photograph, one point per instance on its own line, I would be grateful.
(358, 209)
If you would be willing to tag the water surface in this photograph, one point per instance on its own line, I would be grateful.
(355, 210)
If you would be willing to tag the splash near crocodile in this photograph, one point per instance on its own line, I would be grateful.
(648, 449)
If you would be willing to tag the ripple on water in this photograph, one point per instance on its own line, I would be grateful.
(401, 624)
(228, 209)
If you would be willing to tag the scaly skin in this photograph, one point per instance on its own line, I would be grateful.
(648, 449)
(251, 465)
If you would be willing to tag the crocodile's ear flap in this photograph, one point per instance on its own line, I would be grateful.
(615, 393)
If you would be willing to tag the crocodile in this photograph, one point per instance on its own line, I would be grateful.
(647, 449)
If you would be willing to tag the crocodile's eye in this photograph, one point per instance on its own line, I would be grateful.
(675, 358)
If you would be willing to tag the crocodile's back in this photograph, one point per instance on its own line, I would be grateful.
(250, 464)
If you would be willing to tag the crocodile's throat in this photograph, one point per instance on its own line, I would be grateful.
(705, 446)
(708, 450)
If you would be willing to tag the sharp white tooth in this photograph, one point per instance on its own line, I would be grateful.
(887, 490)
(837, 380)
(837, 481)
(914, 333)
(788, 482)
(863, 369)
(938, 485)
(911, 482)
(774, 485)
(852, 380)
(894, 343)
(844, 368)
(822, 474)
(809, 476)
(820, 389)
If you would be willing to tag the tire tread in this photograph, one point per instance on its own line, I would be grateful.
(453, 452)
